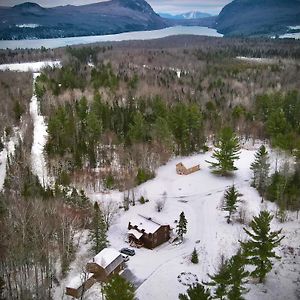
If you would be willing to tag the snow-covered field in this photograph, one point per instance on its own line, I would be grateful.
(30, 66)
(200, 195)
(255, 59)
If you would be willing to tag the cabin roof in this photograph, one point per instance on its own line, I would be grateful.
(187, 164)
(106, 257)
(148, 224)
(75, 282)
(136, 233)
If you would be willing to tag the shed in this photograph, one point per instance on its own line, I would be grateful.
(148, 232)
(105, 264)
(79, 284)
(182, 170)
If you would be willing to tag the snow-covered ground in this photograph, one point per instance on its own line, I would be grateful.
(38, 160)
(30, 66)
(200, 195)
(7, 152)
(295, 35)
(40, 127)
(255, 59)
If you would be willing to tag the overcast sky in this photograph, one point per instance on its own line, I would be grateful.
(171, 6)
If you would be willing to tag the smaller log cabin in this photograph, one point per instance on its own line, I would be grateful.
(148, 233)
(105, 264)
(100, 269)
(182, 170)
(79, 284)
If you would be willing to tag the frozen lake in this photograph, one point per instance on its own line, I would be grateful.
(126, 36)
(295, 35)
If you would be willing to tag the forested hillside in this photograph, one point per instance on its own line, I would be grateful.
(117, 112)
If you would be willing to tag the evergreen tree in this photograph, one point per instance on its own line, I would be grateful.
(98, 231)
(162, 133)
(138, 129)
(194, 258)
(118, 288)
(226, 153)
(2, 286)
(260, 248)
(1, 146)
(220, 281)
(229, 280)
(196, 292)
(261, 168)
(181, 226)
(231, 200)
(238, 277)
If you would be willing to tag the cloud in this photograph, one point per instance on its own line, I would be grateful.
(170, 6)
(177, 6)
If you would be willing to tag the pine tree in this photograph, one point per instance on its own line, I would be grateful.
(231, 200)
(238, 277)
(229, 280)
(118, 288)
(261, 168)
(98, 231)
(220, 281)
(2, 286)
(260, 248)
(181, 227)
(194, 258)
(196, 292)
(226, 153)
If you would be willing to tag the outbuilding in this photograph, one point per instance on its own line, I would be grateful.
(105, 264)
(181, 169)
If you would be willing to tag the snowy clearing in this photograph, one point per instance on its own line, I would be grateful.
(256, 59)
(30, 66)
(199, 195)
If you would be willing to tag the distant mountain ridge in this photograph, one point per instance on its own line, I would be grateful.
(258, 17)
(109, 17)
(188, 15)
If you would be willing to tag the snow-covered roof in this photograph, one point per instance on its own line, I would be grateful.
(188, 164)
(149, 225)
(108, 259)
(134, 232)
(76, 282)
(106, 256)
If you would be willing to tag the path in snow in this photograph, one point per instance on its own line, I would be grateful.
(38, 161)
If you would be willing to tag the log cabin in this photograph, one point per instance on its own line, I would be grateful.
(146, 232)
(105, 264)
(100, 269)
(182, 170)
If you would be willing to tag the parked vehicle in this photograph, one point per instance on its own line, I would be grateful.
(125, 257)
(127, 251)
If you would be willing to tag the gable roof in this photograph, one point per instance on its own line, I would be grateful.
(134, 232)
(109, 259)
(148, 224)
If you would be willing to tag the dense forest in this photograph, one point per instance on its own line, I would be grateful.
(115, 113)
